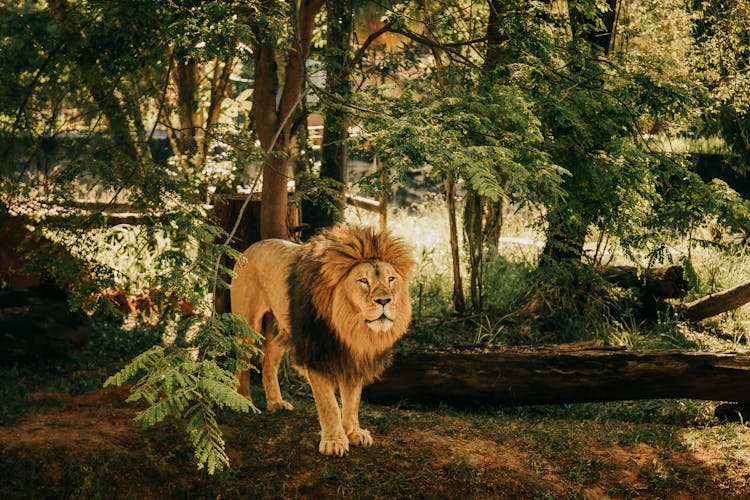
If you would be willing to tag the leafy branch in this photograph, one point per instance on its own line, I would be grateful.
(193, 381)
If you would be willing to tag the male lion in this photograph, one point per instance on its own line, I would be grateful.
(340, 302)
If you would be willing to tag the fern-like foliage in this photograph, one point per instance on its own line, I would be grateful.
(194, 380)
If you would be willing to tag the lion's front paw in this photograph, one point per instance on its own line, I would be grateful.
(279, 405)
(336, 446)
(360, 437)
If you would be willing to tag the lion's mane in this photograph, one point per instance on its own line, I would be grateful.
(327, 334)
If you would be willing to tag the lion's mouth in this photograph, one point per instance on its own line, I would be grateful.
(381, 323)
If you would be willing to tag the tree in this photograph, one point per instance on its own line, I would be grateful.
(328, 207)
(567, 225)
(273, 122)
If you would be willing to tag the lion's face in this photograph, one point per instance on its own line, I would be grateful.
(372, 286)
(357, 282)
(371, 308)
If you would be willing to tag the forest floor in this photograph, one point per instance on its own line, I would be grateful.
(63, 436)
(87, 446)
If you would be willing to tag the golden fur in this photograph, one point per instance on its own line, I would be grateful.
(339, 302)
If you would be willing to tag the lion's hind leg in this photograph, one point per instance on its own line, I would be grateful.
(255, 322)
(253, 312)
(351, 393)
(274, 348)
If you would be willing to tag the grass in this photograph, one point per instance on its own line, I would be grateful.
(664, 448)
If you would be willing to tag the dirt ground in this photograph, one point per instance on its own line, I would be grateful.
(88, 446)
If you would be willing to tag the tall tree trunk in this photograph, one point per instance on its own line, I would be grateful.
(473, 215)
(459, 302)
(334, 153)
(482, 221)
(274, 124)
(274, 195)
(496, 51)
(494, 222)
(185, 74)
(567, 228)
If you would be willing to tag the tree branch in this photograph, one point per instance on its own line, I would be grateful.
(357, 57)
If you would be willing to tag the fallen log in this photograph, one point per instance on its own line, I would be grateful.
(659, 282)
(510, 376)
(714, 304)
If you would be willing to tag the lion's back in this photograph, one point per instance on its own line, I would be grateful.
(261, 282)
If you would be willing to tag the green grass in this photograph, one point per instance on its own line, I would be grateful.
(709, 145)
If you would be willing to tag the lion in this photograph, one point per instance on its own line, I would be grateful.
(339, 303)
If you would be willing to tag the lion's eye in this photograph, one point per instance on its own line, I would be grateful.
(363, 280)
(391, 279)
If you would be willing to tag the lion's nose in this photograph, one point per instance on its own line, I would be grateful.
(383, 302)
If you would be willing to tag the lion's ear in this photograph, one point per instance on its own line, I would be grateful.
(334, 268)
(398, 253)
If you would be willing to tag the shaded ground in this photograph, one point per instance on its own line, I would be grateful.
(87, 446)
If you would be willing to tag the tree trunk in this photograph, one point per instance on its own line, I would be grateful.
(566, 233)
(473, 229)
(274, 199)
(334, 152)
(561, 374)
(493, 225)
(185, 75)
(274, 123)
(568, 225)
(481, 223)
(459, 303)
(275, 168)
(497, 52)
(383, 195)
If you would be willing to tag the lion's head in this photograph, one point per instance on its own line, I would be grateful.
(361, 287)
